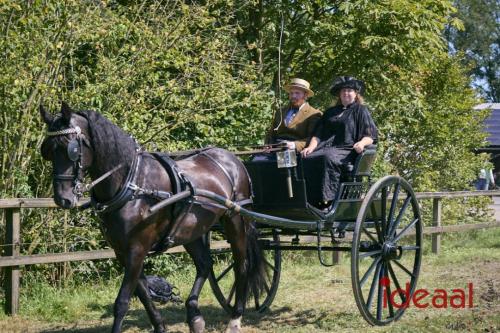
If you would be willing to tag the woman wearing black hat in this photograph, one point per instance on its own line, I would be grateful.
(342, 132)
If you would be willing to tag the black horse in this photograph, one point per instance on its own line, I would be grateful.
(86, 142)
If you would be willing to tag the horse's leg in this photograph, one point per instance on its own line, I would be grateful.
(132, 263)
(198, 252)
(234, 228)
(142, 291)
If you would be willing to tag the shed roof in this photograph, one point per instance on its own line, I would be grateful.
(492, 123)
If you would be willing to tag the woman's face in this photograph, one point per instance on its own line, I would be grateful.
(347, 96)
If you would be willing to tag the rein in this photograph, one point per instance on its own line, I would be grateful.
(129, 189)
(259, 151)
(256, 149)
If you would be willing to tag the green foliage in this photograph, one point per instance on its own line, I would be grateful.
(180, 76)
(418, 94)
(478, 37)
(168, 73)
(432, 132)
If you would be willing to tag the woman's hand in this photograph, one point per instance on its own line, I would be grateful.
(306, 151)
(359, 147)
(361, 144)
(312, 146)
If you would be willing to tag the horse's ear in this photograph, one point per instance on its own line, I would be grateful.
(66, 111)
(46, 116)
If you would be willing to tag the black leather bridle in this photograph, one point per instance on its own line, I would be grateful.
(74, 154)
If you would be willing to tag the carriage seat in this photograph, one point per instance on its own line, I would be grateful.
(363, 164)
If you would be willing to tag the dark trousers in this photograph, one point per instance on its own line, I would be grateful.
(322, 171)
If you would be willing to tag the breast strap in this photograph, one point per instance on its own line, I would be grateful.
(123, 196)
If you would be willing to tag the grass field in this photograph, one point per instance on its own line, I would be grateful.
(311, 298)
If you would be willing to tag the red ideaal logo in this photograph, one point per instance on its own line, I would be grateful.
(459, 298)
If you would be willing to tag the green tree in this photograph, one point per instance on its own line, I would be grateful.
(170, 74)
(478, 37)
(398, 48)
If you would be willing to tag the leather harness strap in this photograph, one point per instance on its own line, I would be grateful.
(228, 176)
(172, 170)
(125, 194)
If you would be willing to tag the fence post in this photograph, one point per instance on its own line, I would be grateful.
(12, 240)
(436, 222)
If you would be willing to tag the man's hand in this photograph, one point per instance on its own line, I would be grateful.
(290, 144)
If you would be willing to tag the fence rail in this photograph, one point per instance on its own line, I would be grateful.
(11, 261)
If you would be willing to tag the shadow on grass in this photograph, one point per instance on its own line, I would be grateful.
(215, 317)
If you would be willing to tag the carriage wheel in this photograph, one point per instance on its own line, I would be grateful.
(386, 250)
(222, 279)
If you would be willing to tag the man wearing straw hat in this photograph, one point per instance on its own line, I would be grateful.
(295, 123)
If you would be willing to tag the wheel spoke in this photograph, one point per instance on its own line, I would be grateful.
(380, 294)
(225, 272)
(368, 272)
(400, 215)
(377, 227)
(270, 265)
(379, 232)
(369, 235)
(405, 230)
(396, 283)
(367, 254)
(388, 292)
(373, 286)
(231, 294)
(404, 269)
(383, 217)
(392, 209)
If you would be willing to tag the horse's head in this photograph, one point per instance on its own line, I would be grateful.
(67, 145)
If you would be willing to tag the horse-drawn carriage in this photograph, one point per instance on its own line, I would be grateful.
(381, 221)
(148, 202)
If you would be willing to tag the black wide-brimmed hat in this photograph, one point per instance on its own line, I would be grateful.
(347, 82)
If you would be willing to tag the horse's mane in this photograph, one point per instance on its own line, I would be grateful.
(111, 144)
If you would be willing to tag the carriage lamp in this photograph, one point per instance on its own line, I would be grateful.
(287, 159)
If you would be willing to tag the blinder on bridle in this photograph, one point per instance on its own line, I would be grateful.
(74, 150)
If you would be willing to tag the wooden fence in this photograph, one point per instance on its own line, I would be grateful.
(11, 260)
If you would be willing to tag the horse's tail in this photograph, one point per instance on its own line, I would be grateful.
(256, 268)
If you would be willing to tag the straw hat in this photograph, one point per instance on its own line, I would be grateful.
(301, 84)
(347, 82)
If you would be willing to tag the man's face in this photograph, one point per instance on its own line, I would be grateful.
(297, 96)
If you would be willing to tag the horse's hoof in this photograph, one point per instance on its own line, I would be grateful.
(234, 326)
(197, 325)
